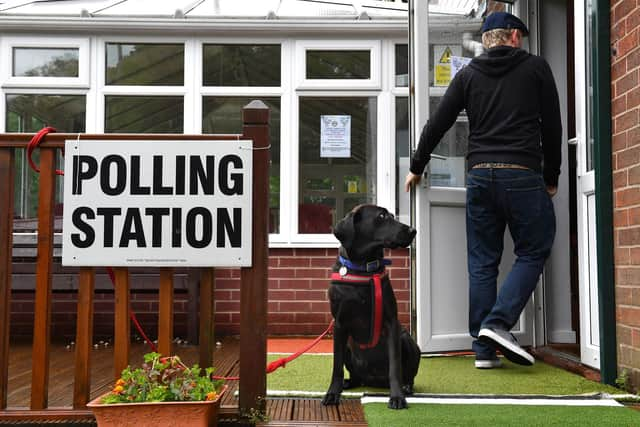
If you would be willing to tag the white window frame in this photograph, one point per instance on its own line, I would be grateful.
(281, 92)
(185, 90)
(372, 83)
(84, 59)
(396, 92)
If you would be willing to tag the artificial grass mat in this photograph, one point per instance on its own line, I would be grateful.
(419, 415)
(445, 375)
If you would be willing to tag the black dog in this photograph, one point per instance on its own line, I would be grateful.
(368, 338)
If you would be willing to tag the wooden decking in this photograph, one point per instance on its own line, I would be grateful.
(280, 411)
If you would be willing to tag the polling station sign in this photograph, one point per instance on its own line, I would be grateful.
(157, 203)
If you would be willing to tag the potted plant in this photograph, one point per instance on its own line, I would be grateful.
(163, 392)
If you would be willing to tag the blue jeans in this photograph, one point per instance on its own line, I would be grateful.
(497, 198)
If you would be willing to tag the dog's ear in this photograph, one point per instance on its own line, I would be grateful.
(345, 230)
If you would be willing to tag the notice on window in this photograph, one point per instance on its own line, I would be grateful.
(442, 55)
(457, 64)
(335, 136)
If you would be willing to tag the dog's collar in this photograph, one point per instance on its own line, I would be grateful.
(369, 267)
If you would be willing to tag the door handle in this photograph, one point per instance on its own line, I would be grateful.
(572, 141)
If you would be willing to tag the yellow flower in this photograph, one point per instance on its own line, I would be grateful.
(118, 389)
(120, 382)
(212, 395)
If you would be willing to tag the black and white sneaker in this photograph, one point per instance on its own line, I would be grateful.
(507, 344)
(492, 363)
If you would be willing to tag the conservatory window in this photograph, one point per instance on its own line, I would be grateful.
(144, 64)
(337, 159)
(30, 113)
(223, 114)
(353, 64)
(45, 62)
(241, 65)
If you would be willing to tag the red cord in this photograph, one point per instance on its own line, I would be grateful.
(132, 315)
(280, 363)
(34, 143)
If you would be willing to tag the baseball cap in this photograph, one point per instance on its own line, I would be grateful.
(504, 20)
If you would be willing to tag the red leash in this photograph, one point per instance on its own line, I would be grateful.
(281, 363)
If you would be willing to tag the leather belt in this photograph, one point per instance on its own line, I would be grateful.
(499, 166)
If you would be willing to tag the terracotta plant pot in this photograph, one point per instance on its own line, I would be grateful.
(156, 414)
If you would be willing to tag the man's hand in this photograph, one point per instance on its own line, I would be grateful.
(411, 179)
(552, 190)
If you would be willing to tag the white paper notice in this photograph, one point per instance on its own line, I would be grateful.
(335, 136)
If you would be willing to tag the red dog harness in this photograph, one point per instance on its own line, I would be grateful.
(377, 298)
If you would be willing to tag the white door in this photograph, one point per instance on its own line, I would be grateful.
(589, 318)
(441, 261)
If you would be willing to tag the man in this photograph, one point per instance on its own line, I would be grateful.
(513, 163)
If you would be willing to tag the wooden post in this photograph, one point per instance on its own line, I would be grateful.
(122, 324)
(44, 265)
(165, 312)
(84, 336)
(207, 324)
(7, 169)
(254, 280)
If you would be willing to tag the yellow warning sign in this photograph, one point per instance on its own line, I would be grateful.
(442, 75)
(445, 58)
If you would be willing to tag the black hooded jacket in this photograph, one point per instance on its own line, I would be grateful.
(512, 104)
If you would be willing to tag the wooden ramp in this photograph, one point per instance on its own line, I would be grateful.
(280, 411)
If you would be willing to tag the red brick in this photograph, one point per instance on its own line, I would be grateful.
(633, 20)
(315, 273)
(278, 252)
(227, 306)
(280, 295)
(294, 262)
(227, 284)
(627, 276)
(620, 179)
(311, 295)
(619, 142)
(634, 256)
(627, 43)
(627, 197)
(621, 255)
(634, 175)
(629, 316)
(619, 105)
(634, 216)
(633, 59)
(280, 318)
(635, 338)
(629, 237)
(628, 157)
(626, 121)
(317, 318)
(319, 284)
(295, 306)
(624, 295)
(322, 262)
(618, 69)
(622, 9)
(311, 252)
(295, 284)
(619, 30)
(281, 272)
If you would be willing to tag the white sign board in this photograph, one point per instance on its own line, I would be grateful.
(335, 136)
(157, 203)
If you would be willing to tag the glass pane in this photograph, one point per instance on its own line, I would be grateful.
(589, 77)
(144, 114)
(30, 113)
(402, 157)
(337, 158)
(145, 64)
(338, 64)
(241, 65)
(402, 65)
(453, 146)
(224, 115)
(45, 62)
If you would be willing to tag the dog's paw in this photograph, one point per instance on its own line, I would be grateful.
(331, 399)
(397, 402)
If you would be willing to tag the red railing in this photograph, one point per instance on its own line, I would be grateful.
(253, 305)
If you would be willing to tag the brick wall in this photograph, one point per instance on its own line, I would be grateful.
(625, 94)
(298, 280)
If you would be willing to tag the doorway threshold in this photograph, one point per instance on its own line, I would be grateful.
(566, 361)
